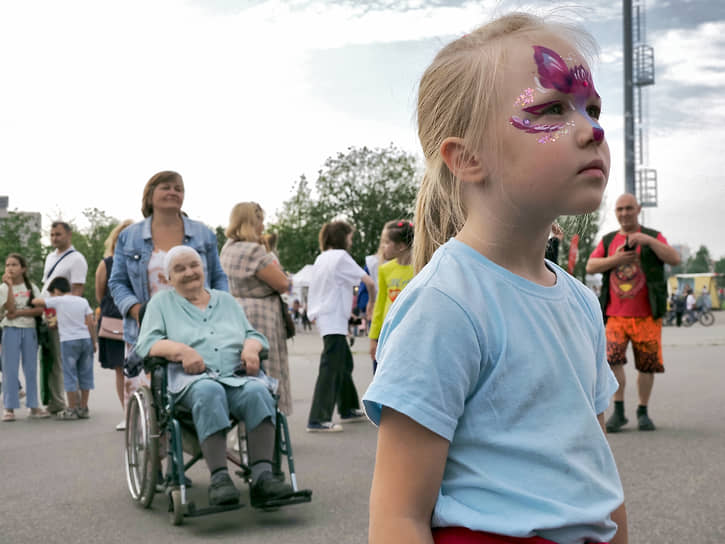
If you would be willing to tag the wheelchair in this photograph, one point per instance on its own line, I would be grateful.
(152, 414)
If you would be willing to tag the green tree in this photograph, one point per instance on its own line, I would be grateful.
(221, 238)
(297, 227)
(364, 186)
(720, 269)
(89, 242)
(20, 234)
(700, 262)
(587, 227)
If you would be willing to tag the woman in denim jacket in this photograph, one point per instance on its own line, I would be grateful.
(138, 261)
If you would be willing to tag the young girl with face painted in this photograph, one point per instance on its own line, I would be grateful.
(493, 376)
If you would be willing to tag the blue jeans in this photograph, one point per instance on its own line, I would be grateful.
(77, 364)
(20, 342)
(211, 403)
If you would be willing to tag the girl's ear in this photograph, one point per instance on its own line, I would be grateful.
(461, 162)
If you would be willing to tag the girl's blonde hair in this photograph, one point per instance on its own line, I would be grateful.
(109, 245)
(243, 221)
(457, 97)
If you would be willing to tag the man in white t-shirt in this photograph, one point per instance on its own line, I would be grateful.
(334, 276)
(65, 262)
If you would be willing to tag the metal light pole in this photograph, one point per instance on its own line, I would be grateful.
(628, 100)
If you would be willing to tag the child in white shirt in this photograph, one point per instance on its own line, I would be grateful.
(77, 345)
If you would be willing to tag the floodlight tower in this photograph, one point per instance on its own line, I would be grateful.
(639, 71)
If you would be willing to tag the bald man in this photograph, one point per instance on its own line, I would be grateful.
(634, 299)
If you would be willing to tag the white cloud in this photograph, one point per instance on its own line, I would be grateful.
(692, 57)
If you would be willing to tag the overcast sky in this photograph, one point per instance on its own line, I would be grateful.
(243, 97)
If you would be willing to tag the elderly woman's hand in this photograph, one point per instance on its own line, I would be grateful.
(192, 362)
(250, 356)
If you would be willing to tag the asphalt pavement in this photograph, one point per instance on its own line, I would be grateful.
(64, 481)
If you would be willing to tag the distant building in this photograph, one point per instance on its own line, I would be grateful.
(33, 224)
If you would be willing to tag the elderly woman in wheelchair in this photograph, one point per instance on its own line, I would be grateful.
(212, 359)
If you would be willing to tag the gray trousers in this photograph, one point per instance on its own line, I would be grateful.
(55, 380)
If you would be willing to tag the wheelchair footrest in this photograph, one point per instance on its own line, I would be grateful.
(193, 512)
(299, 497)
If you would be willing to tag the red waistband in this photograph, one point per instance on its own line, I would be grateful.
(461, 535)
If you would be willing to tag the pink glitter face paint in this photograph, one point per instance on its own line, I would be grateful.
(525, 98)
(553, 73)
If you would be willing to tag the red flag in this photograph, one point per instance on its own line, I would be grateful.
(573, 252)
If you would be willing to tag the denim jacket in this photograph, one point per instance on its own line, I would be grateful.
(129, 283)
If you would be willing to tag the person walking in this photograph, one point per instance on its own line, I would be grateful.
(110, 351)
(256, 281)
(334, 276)
(64, 262)
(633, 300)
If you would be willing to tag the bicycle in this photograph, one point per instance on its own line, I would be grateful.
(705, 317)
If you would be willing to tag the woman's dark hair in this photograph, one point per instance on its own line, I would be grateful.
(62, 284)
(18, 257)
(400, 232)
(147, 207)
(333, 235)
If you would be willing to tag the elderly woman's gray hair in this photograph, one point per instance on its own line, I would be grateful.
(175, 252)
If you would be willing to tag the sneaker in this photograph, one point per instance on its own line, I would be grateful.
(83, 413)
(268, 488)
(66, 415)
(39, 413)
(644, 422)
(121, 426)
(324, 427)
(222, 490)
(616, 422)
(353, 416)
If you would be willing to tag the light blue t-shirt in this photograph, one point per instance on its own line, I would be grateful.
(513, 375)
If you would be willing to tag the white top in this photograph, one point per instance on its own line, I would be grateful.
(334, 275)
(22, 299)
(73, 267)
(691, 302)
(72, 312)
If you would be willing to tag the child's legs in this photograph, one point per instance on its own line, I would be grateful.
(29, 348)
(85, 370)
(70, 351)
(347, 399)
(11, 362)
(332, 361)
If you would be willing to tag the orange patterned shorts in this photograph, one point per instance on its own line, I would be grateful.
(646, 336)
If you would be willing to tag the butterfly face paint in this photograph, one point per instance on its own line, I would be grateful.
(553, 73)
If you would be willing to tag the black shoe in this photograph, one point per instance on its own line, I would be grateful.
(616, 422)
(222, 490)
(268, 488)
(645, 423)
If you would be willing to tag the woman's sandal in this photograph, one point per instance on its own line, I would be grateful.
(8, 415)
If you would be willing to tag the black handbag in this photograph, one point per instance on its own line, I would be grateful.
(289, 323)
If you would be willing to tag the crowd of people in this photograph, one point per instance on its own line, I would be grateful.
(493, 368)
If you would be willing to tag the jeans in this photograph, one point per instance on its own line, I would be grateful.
(77, 364)
(211, 403)
(20, 342)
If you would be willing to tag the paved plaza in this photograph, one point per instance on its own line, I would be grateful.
(64, 481)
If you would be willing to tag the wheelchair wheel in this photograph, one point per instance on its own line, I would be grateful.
(176, 512)
(142, 447)
(707, 319)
